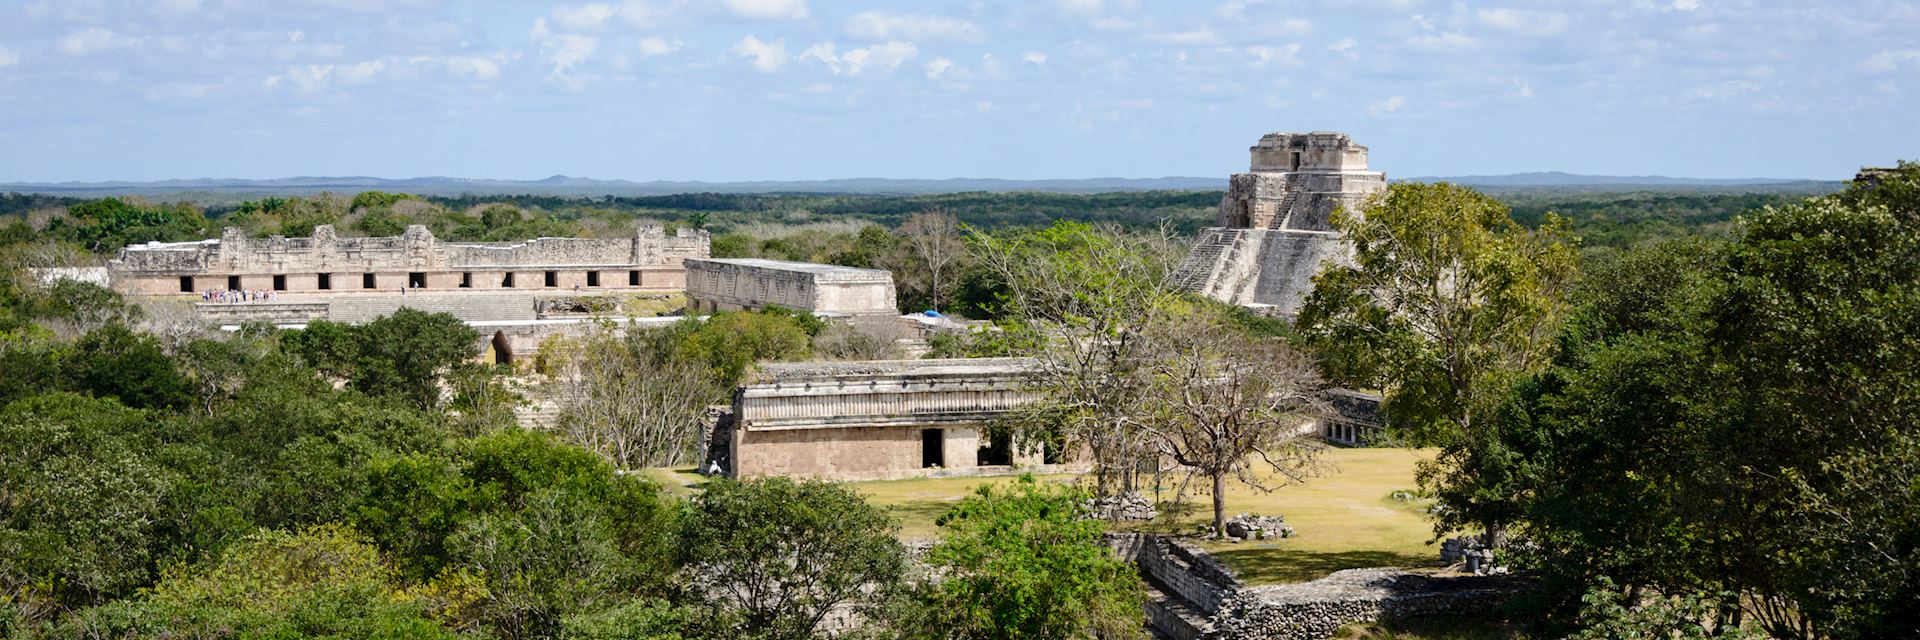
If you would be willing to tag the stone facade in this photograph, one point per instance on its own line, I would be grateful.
(875, 420)
(1357, 419)
(650, 260)
(1272, 232)
(750, 283)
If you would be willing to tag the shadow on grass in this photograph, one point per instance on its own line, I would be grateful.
(1265, 564)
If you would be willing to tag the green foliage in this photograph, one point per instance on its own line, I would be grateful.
(774, 556)
(114, 361)
(404, 354)
(81, 498)
(110, 223)
(1739, 422)
(320, 582)
(1610, 613)
(729, 343)
(1448, 302)
(1022, 561)
(378, 199)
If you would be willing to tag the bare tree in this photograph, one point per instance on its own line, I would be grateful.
(1086, 293)
(1219, 402)
(625, 398)
(934, 236)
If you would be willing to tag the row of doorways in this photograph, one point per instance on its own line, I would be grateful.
(997, 451)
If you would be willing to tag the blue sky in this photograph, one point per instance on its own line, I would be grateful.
(811, 89)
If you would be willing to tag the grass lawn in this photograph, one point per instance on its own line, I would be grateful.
(1343, 519)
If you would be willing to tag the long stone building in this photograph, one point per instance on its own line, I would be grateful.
(1272, 232)
(732, 284)
(649, 260)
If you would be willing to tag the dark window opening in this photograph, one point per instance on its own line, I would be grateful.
(279, 283)
(1295, 164)
(502, 352)
(186, 284)
(1050, 452)
(553, 278)
(416, 280)
(633, 278)
(326, 281)
(367, 281)
(593, 278)
(507, 280)
(466, 280)
(932, 448)
(999, 450)
(233, 283)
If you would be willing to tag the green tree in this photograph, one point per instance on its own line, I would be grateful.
(1739, 423)
(1023, 561)
(1446, 303)
(729, 343)
(405, 354)
(320, 582)
(774, 556)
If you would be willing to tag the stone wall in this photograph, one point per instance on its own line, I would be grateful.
(327, 263)
(752, 283)
(1193, 596)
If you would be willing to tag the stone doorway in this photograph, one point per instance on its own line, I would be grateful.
(502, 352)
(933, 448)
(998, 451)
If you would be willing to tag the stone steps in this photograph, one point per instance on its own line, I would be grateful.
(1195, 272)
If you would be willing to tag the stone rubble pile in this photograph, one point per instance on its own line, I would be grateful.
(1315, 610)
(1258, 527)
(1119, 507)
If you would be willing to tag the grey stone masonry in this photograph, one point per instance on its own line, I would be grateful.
(1191, 596)
(328, 264)
(1272, 232)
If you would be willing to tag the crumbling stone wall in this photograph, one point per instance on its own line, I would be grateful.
(1196, 597)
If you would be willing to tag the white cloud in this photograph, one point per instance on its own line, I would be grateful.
(1344, 45)
(1200, 36)
(480, 67)
(94, 40)
(1890, 61)
(1686, 5)
(584, 17)
(360, 72)
(564, 50)
(642, 13)
(9, 57)
(1524, 22)
(1443, 42)
(1521, 89)
(937, 67)
(1034, 57)
(307, 77)
(885, 56)
(1387, 106)
(768, 9)
(883, 25)
(1264, 56)
(766, 56)
(657, 46)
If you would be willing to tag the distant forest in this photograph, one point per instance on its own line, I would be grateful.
(1602, 219)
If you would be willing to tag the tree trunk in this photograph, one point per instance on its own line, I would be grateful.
(1219, 505)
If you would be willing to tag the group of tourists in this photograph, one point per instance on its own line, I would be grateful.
(238, 295)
